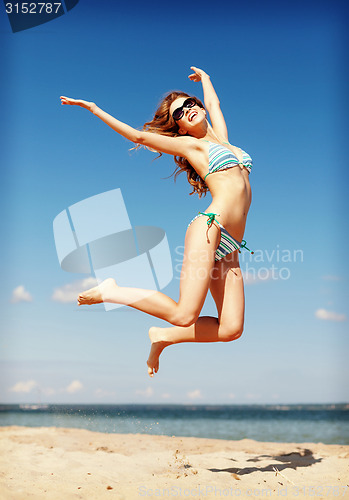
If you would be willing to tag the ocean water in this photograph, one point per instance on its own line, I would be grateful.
(327, 424)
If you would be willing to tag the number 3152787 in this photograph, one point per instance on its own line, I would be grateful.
(33, 8)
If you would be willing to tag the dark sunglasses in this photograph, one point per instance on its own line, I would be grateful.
(179, 112)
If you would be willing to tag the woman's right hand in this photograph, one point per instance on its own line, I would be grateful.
(197, 75)
(78, 102)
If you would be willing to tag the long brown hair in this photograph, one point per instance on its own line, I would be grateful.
(164, 124)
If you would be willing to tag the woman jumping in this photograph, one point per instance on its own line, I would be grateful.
(213, 239)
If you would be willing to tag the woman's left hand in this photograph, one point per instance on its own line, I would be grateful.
(198, 75)
(78, 102)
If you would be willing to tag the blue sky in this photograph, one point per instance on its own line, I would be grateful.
(278, 70)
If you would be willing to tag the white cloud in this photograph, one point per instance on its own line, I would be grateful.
(196, 394)
(75, 386)
(149, 391)
(165, 395)
(329, 315)
(24, 386)
(331, 277)
(20, 294)
(231, 395)
(70, 291)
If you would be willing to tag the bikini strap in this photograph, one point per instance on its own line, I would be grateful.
(211, 217)
(243, 245)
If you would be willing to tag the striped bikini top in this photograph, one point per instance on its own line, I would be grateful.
(222, 158)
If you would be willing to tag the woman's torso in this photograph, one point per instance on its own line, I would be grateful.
(228, 181)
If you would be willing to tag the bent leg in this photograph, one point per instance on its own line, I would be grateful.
(198, 263)
(205, 329)
(228, 292)
(227, 289)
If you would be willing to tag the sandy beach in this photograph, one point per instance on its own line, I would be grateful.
(58, 463)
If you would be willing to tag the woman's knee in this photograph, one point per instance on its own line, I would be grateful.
(184, 317)
(230, 332)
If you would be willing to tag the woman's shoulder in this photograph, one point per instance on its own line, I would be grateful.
(192, 143)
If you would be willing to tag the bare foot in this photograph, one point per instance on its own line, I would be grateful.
(157, 346)
(99, 293)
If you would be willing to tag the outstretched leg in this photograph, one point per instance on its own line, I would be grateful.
(197, 268)
(228, 292)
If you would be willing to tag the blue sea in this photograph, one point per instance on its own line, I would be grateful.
(327, 424)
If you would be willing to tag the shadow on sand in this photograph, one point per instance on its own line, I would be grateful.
(294, 460)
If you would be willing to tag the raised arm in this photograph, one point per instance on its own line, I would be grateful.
(181, 146)
(211, 101)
